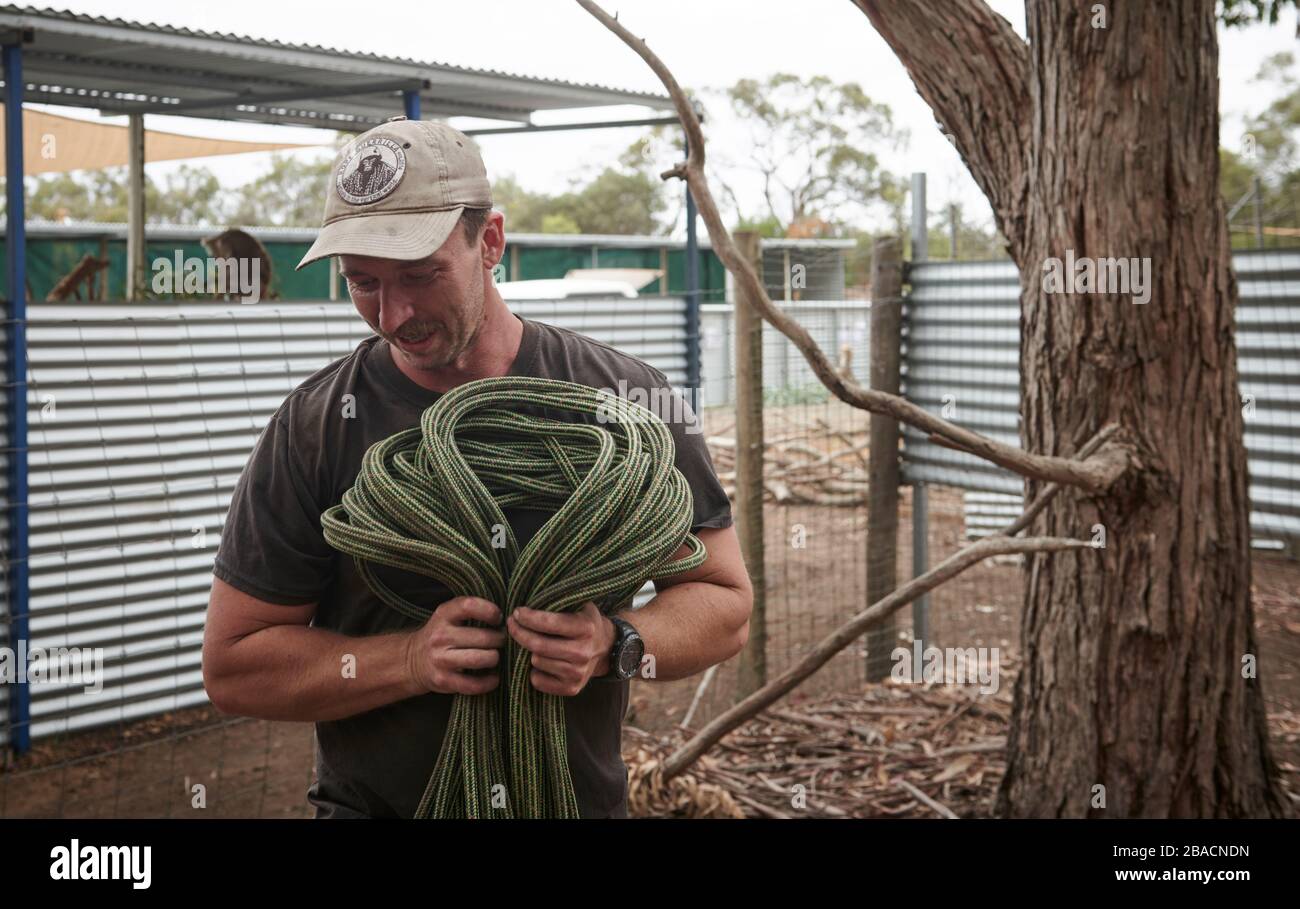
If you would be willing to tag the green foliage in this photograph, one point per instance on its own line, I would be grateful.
(768, 227)
(559, 223)
(524, 210)
(1248, 12)
(290, 194)
(791, 395)
(615, 202)
(973, 241)
(93, 196)
(625, 198)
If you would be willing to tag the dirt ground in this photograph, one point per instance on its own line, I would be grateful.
(253, 768)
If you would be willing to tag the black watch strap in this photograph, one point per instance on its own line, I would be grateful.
(627, 642)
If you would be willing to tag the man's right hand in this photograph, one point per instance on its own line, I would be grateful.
(439, 654)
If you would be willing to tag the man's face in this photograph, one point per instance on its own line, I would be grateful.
(429, 309)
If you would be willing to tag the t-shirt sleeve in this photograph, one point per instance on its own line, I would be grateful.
(272, 546)
(712, 507)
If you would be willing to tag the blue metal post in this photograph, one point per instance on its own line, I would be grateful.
(16, 379)
(692, 297)
(411, 104)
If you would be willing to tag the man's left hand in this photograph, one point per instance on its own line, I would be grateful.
(568, 648)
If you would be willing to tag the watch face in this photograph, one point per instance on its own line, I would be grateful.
(629, 657)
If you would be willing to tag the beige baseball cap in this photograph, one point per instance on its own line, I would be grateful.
(397, 191)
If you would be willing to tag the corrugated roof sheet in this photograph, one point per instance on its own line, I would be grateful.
(115, 64)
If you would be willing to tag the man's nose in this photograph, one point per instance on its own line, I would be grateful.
(396, 307)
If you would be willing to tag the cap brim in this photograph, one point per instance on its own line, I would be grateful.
(403, 235)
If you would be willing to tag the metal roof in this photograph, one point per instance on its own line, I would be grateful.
(192, 232)
(122, 67)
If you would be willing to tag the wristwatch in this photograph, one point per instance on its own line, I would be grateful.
(625, 656)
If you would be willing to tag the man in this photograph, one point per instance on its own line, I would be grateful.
(294, 633)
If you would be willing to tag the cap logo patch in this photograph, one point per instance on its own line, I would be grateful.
(371, 172)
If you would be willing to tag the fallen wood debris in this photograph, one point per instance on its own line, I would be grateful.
(896, 750)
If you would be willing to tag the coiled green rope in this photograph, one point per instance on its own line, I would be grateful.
(430, 500)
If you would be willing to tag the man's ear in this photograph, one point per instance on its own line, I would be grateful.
(492, 245)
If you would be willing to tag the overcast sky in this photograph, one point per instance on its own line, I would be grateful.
(707, 43)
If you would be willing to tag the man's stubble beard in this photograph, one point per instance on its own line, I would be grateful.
(467, 332)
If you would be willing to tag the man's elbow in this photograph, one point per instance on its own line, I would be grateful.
(743, 599)
(225, 681)
(219, 685)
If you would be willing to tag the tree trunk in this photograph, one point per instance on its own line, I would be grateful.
(1133, 657)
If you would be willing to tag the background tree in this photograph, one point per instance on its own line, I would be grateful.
(188, 195)
(290, 193)
(813, 152)
(624, 198)
(1270, 152)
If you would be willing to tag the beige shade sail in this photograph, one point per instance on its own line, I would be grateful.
(54, 144)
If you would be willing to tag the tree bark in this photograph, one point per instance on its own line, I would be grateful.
(1104, 141)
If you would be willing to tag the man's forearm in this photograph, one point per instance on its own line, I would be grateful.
(689, 627)
(305, 674)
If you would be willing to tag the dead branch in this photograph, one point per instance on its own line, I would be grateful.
(926, 800)
(851, 631)
(1095, 474)
(846, 752)
(699, 694)
(70, 284)
(799, 468)
(1051, 489)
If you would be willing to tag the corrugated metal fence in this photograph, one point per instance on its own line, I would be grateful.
(962, 324)
(141, 419)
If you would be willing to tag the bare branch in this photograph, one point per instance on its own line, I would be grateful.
(1051, 489)
(1094, 475)
(924, 799)
(853, 629)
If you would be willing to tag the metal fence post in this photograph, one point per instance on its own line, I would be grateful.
(1257, 189)
(920, 500)
(692, 293)
(752, 668)
(411, 104)
(19, 708)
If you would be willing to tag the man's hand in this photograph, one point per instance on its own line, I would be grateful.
(439, 654)
(568, 648)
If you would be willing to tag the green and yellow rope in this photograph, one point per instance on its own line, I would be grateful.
(430, 500)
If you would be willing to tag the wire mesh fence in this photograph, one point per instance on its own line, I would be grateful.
(814, 487)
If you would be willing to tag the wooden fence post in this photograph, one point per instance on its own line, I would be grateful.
(883, 466)
(749, 467)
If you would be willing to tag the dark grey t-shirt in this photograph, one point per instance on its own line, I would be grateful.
(377, 763)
